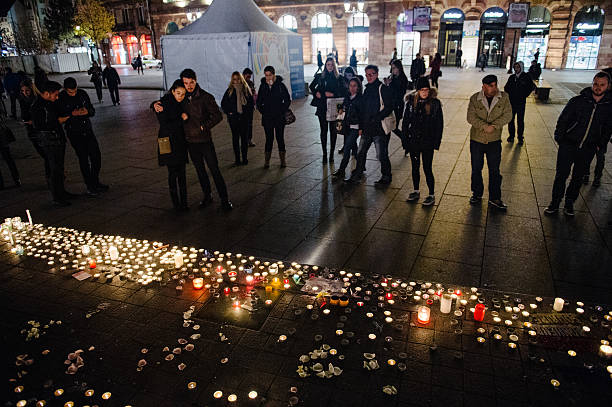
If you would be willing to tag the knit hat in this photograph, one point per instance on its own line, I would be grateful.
(421, 83)
(489, 79)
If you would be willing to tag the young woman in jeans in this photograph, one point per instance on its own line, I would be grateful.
(237, 102)
(350, 125)
(422, 125)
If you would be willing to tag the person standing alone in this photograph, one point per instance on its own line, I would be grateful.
(488, 112)
(96, 78)
(248, 77)
(583, 128)
(519, 87)
(111, 79)
(236, 103)
(417, 69)
(458, 58)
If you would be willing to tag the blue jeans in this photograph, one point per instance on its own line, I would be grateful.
(381, 143)
(350, 146)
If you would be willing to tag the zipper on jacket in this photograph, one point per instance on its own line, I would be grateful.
(586, 134)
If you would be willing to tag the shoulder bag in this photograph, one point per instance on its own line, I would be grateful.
(289, 117)
(164, 145)
(388, 123)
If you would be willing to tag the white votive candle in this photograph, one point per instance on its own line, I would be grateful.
(446, 302)
(558, 305)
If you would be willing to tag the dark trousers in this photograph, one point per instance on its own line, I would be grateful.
(6, 154)
(569, 155)
(240, 137)
(399, 112)
(518, 111)
(39, 149)
(333, 134)
(427, 158)
(350, 147)
(434, 80)
(249, 124)
(381, 143)
(90, 159)
(493, 153)
(273, 129)
(600, 163)
(200, 152)
(98, 86)
(13, 97)
(140, 69)
(55, 156)
(114, 94)
(177, 184)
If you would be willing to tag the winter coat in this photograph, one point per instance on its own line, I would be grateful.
(110, 77)
(417, 69)
(398, 86)
(67, 104)
(423, 131)
(352, 114)
(319, 60)
(371, 115)
(204, 114)
(48, 130)
(518, 88)
(482, 60)
(435, 68)
(230, 106)
(273, 101)
(574, 121)
(353, 61)
(96, 74)
(535, 71)
(171, 126)
(327, 83)
(480, 115)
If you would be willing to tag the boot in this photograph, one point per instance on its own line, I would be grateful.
(283, 155)
(268, 155)
(175, 200)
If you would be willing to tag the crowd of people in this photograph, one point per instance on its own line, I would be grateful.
(365, 111)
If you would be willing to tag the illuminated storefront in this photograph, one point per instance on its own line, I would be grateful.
(407, 42)
(492, 35)
(451, 30)
(118, 54)
(322, 37)
(358, 36)
(586, 37)
(535, 36)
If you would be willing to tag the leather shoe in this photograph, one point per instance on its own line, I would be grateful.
(227, 206)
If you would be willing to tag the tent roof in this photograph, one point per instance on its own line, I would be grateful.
(227, 16)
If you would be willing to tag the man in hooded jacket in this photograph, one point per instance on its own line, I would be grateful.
(518, 88)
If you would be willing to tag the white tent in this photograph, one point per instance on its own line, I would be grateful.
(230, 36)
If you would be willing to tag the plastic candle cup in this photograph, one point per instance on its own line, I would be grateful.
(198, 283)
(479, 312)
(445, 303)
(558, 305)
(423, 314)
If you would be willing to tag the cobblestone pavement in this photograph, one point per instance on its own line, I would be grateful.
(299, 214)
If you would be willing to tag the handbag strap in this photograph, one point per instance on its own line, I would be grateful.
(382, 104)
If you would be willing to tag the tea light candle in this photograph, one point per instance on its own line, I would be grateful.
(85, 250)
(558, 305)
(218, 394)
(192, 385)
(178, 259)
(253, 395)
(198, 283)
(106, 395)
(446, 302)
(232, 397)
(326, 311)
(371, 337)
(113, 252)
(605, 351)
(391, 362)
(423, 314)
(339, 332)
(572, 353)
(282, 338)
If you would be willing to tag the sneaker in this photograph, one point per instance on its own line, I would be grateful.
(585, 180)
(568, 210)
(383, 181)
(499, 204)
(551, 209)
(227, 206)
(207, 201)
(475, 199)
(510, 139)
(430, 200)
(414, 196)
(596, 182)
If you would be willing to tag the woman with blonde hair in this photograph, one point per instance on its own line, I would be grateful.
(329, 85)
(237, 102)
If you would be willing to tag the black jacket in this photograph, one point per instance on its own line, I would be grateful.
(273, 101)
(423, 131)
(96, 74)
(171, 126)
(327, 83)
(25, 105)
(519, 88)
(371, 115)
(353, 61)
(204, 114)
(574, 120)
(398, 86)
(352, 115)
(45, 115)
(417, 69)
(230, 106)
(67, 104)
(110, 77)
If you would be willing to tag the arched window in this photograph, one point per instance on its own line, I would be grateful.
(358, 36)
(586, 37)
(407, 42)
(118, 54)
(145, 46)
(172, 27)
(322, 38)
(288, 22)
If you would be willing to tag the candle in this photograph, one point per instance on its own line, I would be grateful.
(29, 216)
(479, 312)
(85, 250)
(92, 264)
(423, 314)
(198, 283)
(605, 351)
(446, 302)
(558, 305)
(218, 394)
(178, 259)
(252, 394)
(113, 252)
(371, 337)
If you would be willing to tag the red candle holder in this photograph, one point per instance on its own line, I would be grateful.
(479, 312)
(92, 264)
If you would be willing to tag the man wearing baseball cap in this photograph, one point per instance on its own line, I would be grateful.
(488, 112)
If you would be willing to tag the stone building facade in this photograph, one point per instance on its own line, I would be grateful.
(562, 44)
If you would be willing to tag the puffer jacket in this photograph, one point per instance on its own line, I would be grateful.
(423, 131)
(585, 122)
(273, 101)
(480, 115)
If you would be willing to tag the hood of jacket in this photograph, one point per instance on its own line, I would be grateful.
(277, 79)
(588, 94)
(433, 92)
(522, 65)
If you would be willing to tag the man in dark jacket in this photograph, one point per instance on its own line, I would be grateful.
(11, 85)
(458, 58)
(372, 115)
(47, 122)
(319, 61)
(75, 104)
(535, 70)
(583, 128)
(204, 114)
(518, 88)
(111, 79)
(417, 69)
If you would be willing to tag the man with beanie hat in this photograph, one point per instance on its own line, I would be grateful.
(488, 112)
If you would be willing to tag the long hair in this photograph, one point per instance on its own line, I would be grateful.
(359, 85)
(430, 97)
(334, 71)
(246, 89)
(401, 75)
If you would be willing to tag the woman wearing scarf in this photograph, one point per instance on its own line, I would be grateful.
(237, 102)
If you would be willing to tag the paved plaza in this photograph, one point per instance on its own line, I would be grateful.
(300, 214)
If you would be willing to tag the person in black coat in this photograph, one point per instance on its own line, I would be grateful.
(519, 87)
(583, 128)
(171, 120)
(458, 58)
(247, 73)
(353, 60)
(111, 79)
(600, 155)
(273, 101)
(535, 70)
(398, 83)
(319, 61)
(422, 124)
(329, 85)
(237, 102)
(27, 98)
(96, 78)
(350, 124)
(417, 69)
